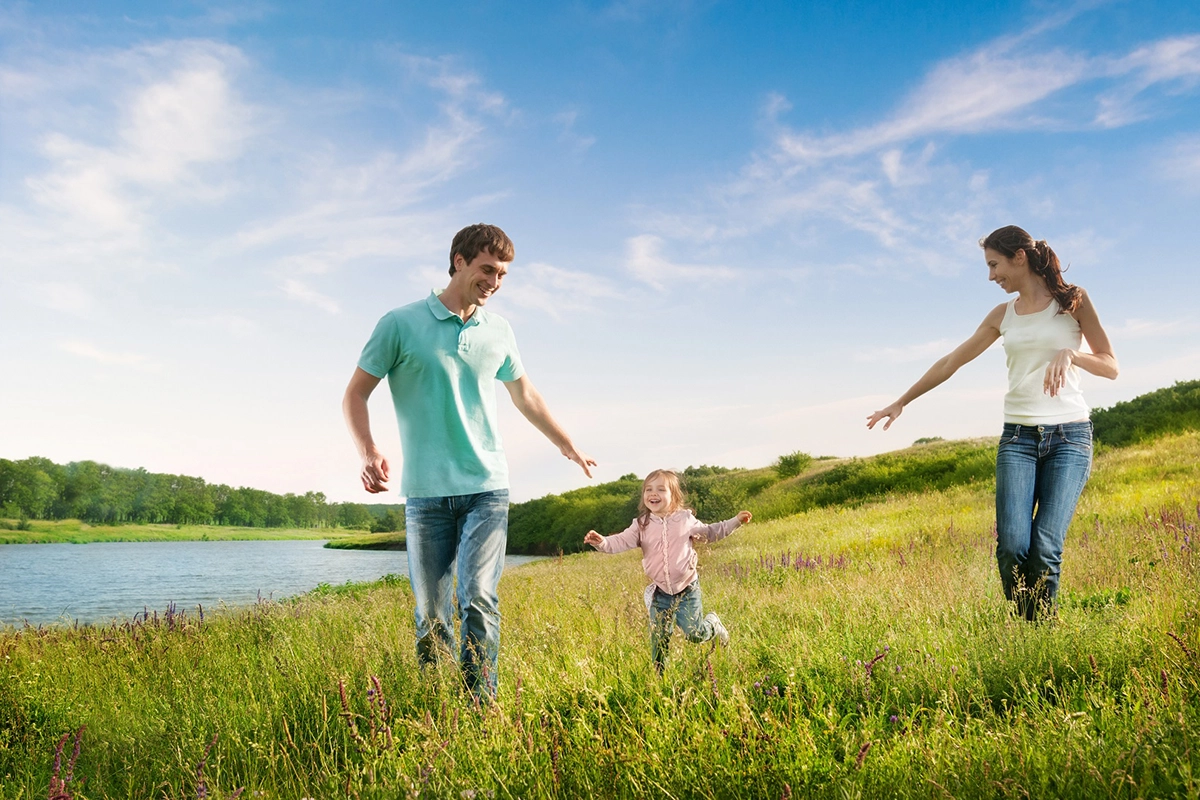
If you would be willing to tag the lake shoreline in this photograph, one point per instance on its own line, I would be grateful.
(73, 531)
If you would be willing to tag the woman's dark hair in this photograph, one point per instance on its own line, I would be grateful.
(1042, 260)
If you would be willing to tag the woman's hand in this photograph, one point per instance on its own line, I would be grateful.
(593, 538)
(1056, 371)
(892, 412)
(744, 517)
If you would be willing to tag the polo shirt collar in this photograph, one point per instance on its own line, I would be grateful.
(442, 313)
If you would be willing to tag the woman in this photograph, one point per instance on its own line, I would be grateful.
(1045, 452)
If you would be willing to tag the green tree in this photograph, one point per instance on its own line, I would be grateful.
(792, 464)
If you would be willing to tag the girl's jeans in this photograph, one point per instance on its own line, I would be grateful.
(471, 529)
(685, 609)
(1040, 473)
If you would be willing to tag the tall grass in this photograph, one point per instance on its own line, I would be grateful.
(872, 655)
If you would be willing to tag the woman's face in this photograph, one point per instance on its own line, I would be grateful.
(1009, 274)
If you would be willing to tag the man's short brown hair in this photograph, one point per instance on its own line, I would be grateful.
(474, 239)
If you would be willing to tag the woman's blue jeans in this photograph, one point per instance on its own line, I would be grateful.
(1040, 473)
(470, 531)
(685, 609)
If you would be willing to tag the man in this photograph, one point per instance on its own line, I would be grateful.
(441, 356)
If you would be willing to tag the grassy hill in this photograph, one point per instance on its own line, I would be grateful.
(557, 523)
(872, 655)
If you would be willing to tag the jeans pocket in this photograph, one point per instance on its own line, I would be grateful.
(1079, 437)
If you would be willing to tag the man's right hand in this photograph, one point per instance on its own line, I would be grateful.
(375, 473)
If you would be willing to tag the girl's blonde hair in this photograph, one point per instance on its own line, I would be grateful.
(678, 498)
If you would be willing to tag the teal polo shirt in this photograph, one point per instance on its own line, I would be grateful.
(442, 373)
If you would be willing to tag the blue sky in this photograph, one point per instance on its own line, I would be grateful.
(739, 229)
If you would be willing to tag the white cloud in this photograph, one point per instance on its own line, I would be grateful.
(93, 353)
(344, 207)
(898, 181)
(1155, 328)
(69, 298)
(120, 138)
(165, 128)
(1173, 61)
(924, 351)
(232, 324)
(647, 264)
(966, 95)
(568, 135)
(303, 293)
(555, 291)
(1181, 163)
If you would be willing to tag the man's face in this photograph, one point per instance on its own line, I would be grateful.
(481, 277)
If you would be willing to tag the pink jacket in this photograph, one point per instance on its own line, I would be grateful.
(668, 557)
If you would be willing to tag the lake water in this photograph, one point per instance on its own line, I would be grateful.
(106, 581)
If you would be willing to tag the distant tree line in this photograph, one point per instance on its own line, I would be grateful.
(37, 488)
(1172, 409)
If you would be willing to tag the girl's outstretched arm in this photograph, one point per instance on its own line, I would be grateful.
(719, 530)
(983, 338)
(618, 542)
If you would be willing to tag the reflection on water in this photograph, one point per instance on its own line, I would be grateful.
(104, 581)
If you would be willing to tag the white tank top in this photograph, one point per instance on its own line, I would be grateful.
(1030, 342)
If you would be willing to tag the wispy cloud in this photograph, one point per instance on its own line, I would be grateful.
(93, 353)
(979, 91)
(923, 351)
(346, 207)
(121, 138)
(899, 182)
(569, 135)
(1181, 163)
(647, 264)
(69, 298)
(1155, 328)
(556, 291)
(300, 292)
(167, 128)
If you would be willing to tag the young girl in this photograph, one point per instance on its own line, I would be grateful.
(1045, 451)
(665, 529)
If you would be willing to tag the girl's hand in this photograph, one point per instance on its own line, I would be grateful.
(1056, 371)
(892, 412)
(744, 517)
(593, 538)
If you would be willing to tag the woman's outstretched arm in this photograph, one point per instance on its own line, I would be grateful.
(987, 333)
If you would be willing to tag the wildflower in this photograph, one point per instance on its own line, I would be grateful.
(862, 754)
(893, 719)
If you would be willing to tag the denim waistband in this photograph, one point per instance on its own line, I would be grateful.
(1016, 428)
(682, 591)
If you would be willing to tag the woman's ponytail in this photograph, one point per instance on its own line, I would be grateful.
(1043, 261)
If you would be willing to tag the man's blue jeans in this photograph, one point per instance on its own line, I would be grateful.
(685, 609)
(471, 529)
(1040, 473)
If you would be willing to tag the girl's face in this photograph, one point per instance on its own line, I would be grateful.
(656, 495)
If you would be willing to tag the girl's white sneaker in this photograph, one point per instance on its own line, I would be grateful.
(718, 629)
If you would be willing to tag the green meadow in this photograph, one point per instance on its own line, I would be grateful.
(871, 656)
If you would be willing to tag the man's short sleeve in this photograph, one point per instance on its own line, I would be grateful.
(382, 351)
(512, 369)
